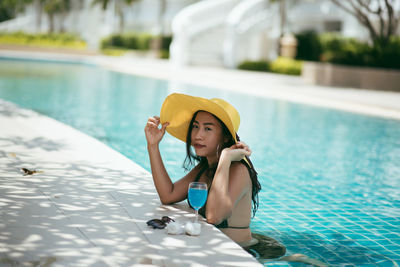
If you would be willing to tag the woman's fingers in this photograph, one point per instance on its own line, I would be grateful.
(245, 151)
(154, 120)
(153, 133)
(152, 124)
(240, 145)
(157, 119)
(164, 126)
(243, 145)
(242, 148)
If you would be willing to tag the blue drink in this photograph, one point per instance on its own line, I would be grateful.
(197, 197)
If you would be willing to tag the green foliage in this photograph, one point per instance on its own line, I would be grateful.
(164, 53)
(119, 44)
(286, 66)
(113, 41)
(309, 46)
(334, 48)
(341, 50)
(143, 41)
(104, 3)
(166, 42)
(56, 6)
(280, 65)
(114, 51)
(254, 65)
(43, 40)
(128, 41)
(349, 51)
(387, 56)
(10, 8)
(136, 41)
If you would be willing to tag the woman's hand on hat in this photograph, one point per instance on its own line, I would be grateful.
(237, 151)
(153, 133)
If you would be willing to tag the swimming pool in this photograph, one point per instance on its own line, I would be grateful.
(330, 179)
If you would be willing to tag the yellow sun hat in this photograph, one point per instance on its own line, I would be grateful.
(178, 110)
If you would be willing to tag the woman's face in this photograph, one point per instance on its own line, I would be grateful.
(206, 135)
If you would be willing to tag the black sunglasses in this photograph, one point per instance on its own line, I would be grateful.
(159, 224)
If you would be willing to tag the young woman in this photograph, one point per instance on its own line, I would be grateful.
(208, 126)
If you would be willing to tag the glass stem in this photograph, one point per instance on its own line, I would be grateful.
(197, 215)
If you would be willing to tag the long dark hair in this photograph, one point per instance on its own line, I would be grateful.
(191, 159)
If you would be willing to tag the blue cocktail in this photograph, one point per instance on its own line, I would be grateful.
(197, 195)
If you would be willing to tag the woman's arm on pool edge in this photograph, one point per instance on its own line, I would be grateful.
(167, 191)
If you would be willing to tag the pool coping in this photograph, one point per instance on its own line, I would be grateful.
(384, 104)
(88, 204)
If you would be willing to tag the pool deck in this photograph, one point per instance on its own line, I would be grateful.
(88, 205)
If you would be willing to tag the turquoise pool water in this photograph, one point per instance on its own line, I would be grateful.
(331, 179)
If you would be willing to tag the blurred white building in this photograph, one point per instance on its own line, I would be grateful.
(212, 32)
(92, 23)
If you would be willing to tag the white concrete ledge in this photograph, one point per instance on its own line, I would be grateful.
(90, 204)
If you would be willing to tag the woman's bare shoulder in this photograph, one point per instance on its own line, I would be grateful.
(239, 169)
(238, 166)
(239, 179)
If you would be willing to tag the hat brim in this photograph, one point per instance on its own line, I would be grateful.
(178, 110)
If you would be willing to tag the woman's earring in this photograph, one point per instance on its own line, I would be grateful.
(218, 151)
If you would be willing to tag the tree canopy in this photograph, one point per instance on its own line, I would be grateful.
(380, 17)
(10, 8)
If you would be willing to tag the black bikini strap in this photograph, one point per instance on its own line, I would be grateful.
(239, 227)
(202, 170)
